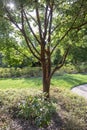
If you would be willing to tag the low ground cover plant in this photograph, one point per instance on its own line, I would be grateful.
(69, 109)
(37, 109)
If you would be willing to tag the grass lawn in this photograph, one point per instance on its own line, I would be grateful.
(69, 81)
(64, 81)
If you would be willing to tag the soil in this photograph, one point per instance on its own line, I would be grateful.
(8, 123)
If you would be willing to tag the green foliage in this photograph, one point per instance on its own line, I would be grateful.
(37, 110)
(78, 54)
(18, 72)
(37, 71)
(14, 55)
(61, 31)
(70, 69)
(57, 57)
(82, 68)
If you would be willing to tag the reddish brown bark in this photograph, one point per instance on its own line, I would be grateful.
(46, 69)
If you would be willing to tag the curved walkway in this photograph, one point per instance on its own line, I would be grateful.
(81, 90)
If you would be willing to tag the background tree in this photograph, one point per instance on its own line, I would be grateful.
(13, 51)
(78, 53)
(45, 25)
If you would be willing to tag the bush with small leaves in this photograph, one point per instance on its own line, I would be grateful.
(37, 110)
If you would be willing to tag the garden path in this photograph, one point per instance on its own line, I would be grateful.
(81, 90)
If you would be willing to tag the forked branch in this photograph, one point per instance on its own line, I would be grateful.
(61, 62)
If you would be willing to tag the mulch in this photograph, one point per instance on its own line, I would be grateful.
(9, 123)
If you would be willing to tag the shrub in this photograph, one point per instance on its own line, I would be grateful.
(37, 110)
(18, 72)
(81, 67)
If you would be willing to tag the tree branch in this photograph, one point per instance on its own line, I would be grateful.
(61, 62)
(32, 33)
(71, 28)
(58, 25)
(11, 19)
(39, 22)
(31, 28)
(24, 34)
(50, 21)
(64, 35)
(45, 21)
(16, 48)
(81, 25)
(30, 48)
(33, 18)
(22, 17)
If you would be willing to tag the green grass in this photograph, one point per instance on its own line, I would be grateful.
(69, 80)
(65, 81)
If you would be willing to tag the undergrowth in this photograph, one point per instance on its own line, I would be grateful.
(70, 108)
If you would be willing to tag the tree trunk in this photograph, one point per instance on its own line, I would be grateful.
(46, 69)
(46, 86)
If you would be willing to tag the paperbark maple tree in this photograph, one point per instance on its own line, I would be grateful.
(48, 22)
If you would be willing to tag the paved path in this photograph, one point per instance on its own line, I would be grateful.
(81, 90)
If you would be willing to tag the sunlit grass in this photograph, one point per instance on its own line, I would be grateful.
(69, 80)
(64, 81)
(19, 83)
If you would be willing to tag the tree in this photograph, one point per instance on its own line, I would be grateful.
(78, 55)
(45, 25)
(13, 52)
(14, 55)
